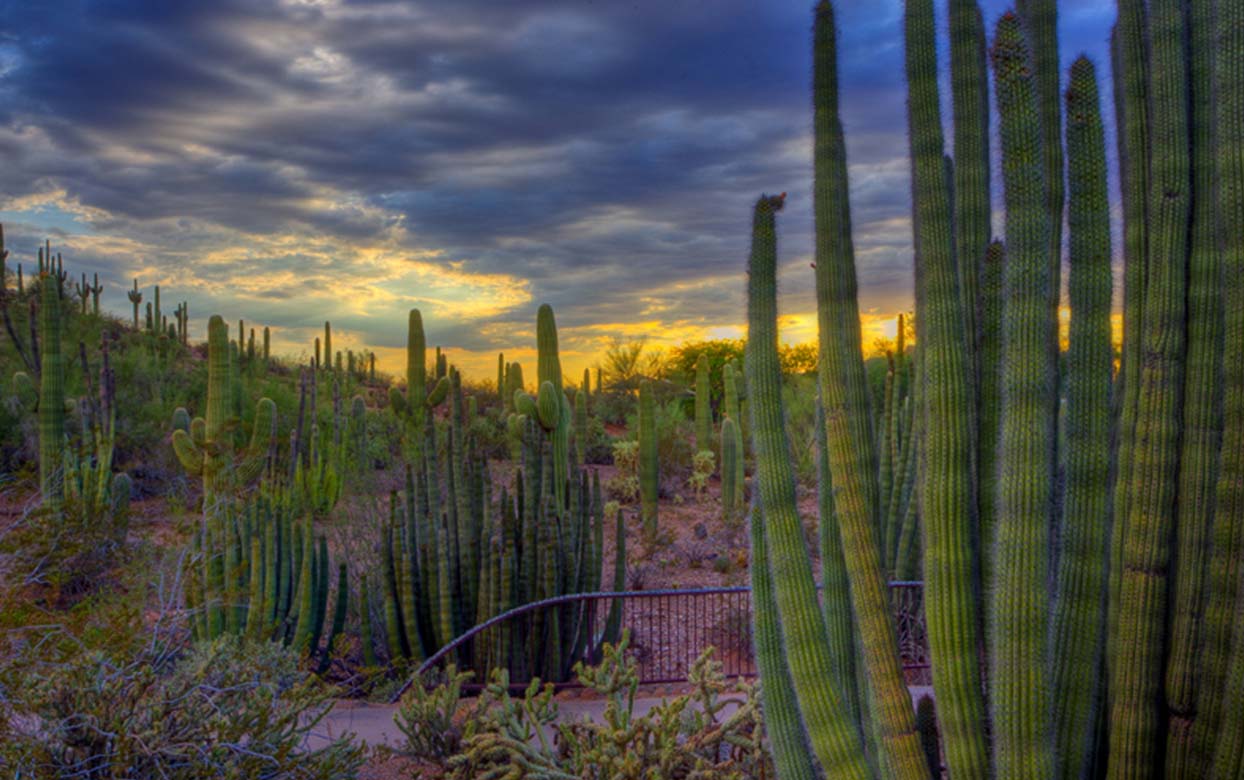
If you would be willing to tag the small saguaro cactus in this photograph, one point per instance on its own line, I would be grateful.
(649, 470)
(412, 407)
(205, 450)
(703, 406)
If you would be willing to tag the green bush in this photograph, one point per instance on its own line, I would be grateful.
(224, 709)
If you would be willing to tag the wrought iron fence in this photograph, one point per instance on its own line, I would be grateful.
(669, 629)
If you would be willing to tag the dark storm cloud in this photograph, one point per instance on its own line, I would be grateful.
(608, 153)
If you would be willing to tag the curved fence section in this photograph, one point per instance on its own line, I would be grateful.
(669, 629)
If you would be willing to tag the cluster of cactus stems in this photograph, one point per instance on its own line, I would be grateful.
(1100, 526)
(455, 553)
(257, 567)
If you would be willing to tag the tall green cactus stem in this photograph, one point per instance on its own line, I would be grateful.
(613, 622)
(730, 408)
(1079, 620)
(1131, 73)
(969, 84)
(945, 482)
(414, 406)
(649, 470)
(1218, 695)
(550, 370)
(835, 584)
(703, 406)
(1040, 19)
(157, 318)
(340, 605)
(833, 737)
(501, 366)
(989, 400)
(586, 387)
(849, 429)
(729, 471)
(267, 345)
(1202, 425)
(328, 346)
(1019, 611)
(319, 360)
(1135, 719)
(786, 734)
(580, 427)
(51, 400)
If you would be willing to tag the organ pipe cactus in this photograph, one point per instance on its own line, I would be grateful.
(1202, 426)
(1019, 611)
(849, 429)
(1135, 718)
(782, 723)
(834, 739)
(945, 482)
(1221, 658)
(1078, 620)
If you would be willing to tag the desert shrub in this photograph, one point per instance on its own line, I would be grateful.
(613, 406)
(225, 709)
(623, 486)
(689, 736)
(703, 464)
(429, 718)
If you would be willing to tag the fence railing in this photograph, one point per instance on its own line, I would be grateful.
(669, 629)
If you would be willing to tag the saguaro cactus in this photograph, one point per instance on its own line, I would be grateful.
(703, 406)
(413, 407)
(205, 451)
(51, 398)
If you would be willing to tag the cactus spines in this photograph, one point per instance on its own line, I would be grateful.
(1019, 611)
(849, 428)
(1078, 627)
(834, 740)
(945, 482)
(649, 470)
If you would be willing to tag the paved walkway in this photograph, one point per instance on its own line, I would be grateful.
(374, 725)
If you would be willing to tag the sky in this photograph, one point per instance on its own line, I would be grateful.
(289, 162)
